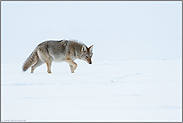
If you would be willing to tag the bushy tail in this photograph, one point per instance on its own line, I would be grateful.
(30, 60)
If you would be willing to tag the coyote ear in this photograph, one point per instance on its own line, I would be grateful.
(91, 48)
(83, 49)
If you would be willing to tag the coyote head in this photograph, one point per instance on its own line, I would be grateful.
(86, 53)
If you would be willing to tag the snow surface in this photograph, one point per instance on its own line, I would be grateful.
(138, 90)
(136, 73)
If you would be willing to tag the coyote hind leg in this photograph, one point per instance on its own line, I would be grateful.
(48, 63)
(71, 68)
(44, 56)
(37, 64)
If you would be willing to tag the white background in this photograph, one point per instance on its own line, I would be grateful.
(136, 73)
(118, 30)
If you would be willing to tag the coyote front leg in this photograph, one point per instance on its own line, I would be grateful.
(72, 64)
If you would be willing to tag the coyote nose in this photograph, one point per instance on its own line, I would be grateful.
(90, 62)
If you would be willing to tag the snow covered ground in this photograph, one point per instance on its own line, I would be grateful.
(136, 73)
(138, 90)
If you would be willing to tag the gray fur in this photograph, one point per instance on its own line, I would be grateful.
(58, 51)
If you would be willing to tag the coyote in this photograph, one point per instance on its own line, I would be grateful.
(58, 51)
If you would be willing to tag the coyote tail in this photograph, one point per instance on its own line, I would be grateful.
(30, 60)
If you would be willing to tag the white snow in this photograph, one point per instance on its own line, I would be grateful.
(136, 73)
(138, 90)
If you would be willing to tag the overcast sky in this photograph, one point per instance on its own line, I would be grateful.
(118, 30)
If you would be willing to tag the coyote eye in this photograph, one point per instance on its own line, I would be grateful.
(86, 56)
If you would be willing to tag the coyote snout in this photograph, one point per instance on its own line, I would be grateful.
(89, 61)
(64, 50)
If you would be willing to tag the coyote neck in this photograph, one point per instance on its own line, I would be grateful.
(78, 51)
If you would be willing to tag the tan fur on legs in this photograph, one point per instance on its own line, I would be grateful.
(44, 56)
(32, 70)
(71, 68)
(37, 64)
(74, 65)
(48, 66)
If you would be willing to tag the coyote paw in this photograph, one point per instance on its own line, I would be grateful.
(49, 71)
(32, 70)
